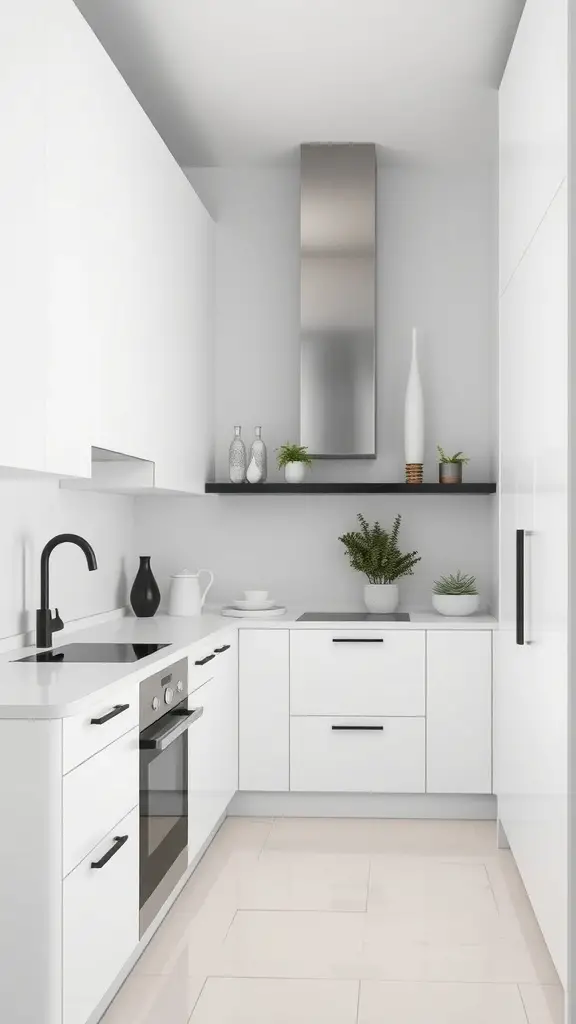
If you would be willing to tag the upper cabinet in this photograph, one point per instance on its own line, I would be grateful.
(533, 117)
(116, 318)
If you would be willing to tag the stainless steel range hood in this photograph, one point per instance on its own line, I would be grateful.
(338, 300)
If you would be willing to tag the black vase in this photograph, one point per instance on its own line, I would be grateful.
(145, 595)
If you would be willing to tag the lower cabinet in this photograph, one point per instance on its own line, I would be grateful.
(353, 755)
(264, 712)
(213, 749)
(100, 919)
(459, 711)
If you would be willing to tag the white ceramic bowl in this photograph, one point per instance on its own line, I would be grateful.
(258, 597)
(253, 606)
(454, 604)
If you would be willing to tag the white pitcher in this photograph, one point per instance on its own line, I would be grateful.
(186, 596)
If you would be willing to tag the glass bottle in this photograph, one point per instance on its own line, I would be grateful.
(237, 458)
(258, 465)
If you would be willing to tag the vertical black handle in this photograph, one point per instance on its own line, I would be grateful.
(520, 587)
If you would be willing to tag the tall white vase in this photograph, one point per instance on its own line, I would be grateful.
(414, 411)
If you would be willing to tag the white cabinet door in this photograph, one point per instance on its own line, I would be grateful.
(264, 711)
(357, 755)
(100, 926)
(459, 712)
(213, 749)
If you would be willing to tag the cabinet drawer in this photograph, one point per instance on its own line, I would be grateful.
(98, 794)
(100, 920)
(111, 716)
(357, 755)
(207, 657)
(357, 672)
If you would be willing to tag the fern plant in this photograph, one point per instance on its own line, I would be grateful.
(457, 457)
(455, 585)
(375, 552)
(293, 453)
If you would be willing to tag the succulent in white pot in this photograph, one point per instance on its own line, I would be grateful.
(294, 459)
(375, 552)
(456, 595)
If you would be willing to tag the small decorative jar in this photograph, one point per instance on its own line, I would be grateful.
(237, 458)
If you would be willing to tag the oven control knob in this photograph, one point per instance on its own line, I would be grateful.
(179, 686)
(168, 695)
(155, 703)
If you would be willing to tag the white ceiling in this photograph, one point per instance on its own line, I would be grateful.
(245, 81)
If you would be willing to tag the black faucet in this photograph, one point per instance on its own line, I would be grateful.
(46, 623)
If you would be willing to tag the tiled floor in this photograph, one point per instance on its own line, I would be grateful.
(306, 921)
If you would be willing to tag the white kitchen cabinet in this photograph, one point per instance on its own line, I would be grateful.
(264, 709)
(357, 672)
(213, 747)
(100, 919)
(459, 712)
(110, 717)
(357, 755)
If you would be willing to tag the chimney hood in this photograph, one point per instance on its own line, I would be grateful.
(338, 300)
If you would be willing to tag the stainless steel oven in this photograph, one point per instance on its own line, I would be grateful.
(166, 714)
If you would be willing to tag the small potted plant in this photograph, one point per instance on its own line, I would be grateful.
(450, 468)
(374, 551)
(456, 595)
(294, 459)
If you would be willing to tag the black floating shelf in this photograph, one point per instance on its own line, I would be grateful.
(349, 488)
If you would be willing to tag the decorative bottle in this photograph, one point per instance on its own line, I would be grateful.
(258, 465)
(237, 458)
(414, 419)
(145, 595)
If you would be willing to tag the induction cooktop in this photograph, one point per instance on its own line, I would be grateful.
(354, 617)
(123, 653)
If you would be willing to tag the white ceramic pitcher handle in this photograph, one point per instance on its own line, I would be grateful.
(208, 585)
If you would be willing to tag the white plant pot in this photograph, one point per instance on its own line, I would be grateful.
(454, 604)
(381, 597)
(295, 472)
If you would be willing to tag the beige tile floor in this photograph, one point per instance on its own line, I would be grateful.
(306, 921)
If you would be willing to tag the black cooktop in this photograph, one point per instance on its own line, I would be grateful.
(123, 653)
(354, 617)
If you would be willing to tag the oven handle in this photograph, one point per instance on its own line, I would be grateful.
(169, 735)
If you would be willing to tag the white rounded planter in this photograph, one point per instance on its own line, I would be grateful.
(456, 604)
(295, 472)
(381, 597)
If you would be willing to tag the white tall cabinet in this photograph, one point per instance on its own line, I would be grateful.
(531, 681)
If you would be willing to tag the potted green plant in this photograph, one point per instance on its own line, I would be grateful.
(375, 552)
(294, 459)
(456, 595)
(450, 468)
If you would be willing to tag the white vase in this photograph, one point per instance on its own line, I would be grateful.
(456, 604)
(295, 472)
(414, 411)
(381, 597)
(254, 473)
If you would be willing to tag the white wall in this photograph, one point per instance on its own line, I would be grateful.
(32, 510)
(437, 268)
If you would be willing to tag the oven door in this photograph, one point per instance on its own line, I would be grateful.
(163, 807)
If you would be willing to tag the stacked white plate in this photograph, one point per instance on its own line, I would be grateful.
(253, 609)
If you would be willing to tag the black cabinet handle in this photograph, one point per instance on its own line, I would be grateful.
(116, 845)
(357, 640)
(220, 650)
(204, 661)
(358, 728)
(520, 587)
(117, 710)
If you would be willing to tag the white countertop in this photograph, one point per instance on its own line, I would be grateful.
(36, 690)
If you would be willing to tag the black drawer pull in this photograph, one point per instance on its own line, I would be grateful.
(358, 728)
(204, 661)
(357, 640)
(220, 650)
(117, 710)
(117, 845)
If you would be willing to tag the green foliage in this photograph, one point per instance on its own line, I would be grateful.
(456, 585)
(293, 453)
(458, 457)
(375, 552)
